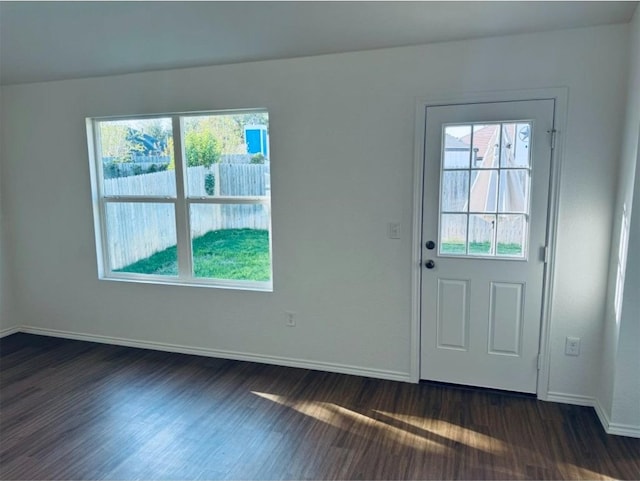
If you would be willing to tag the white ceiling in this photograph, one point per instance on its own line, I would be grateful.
(42, 41)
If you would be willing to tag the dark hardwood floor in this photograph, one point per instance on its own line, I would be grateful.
(78, 410)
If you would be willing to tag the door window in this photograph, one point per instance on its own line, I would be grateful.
(485, 178)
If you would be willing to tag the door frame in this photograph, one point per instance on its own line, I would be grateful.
(560, 97)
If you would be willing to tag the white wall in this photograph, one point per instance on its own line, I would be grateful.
(3, 320)
(626, 398)
(6, 317)
(342, 130)
(619, 394)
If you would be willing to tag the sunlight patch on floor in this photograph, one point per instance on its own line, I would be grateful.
(571, 471)
(354, 422)
(453, 432)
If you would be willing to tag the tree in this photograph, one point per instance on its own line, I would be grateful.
(201, 146)
(121, 139)
(254, 118)
(227, 130)
(207, 137)
(113, 141)
(160, 130)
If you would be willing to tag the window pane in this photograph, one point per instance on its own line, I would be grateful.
(136, 157)
(515, 144)
(457, 147)
(229, 180)
(484, 191)
(231, 241)
(511, 235)
(227, 155)
(514, 187)
(496, 182)
(141, 238)
(486, 146)
(481, 234)
(455, 190)
(453, 234)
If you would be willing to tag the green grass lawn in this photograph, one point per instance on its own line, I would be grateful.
(236, 254)
(480, 248)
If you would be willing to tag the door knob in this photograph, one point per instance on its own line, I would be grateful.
(429, 264)
(430, 245)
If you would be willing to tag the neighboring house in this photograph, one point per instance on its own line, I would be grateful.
(487, 151)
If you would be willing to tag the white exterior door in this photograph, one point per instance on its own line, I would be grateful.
(486, 190)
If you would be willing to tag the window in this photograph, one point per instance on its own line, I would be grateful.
(484, 184)
(183, 198)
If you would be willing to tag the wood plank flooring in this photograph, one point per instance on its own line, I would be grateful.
(78, 410)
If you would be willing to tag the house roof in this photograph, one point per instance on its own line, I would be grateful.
(483, 139)
(451, 142)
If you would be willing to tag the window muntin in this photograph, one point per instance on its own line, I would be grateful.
(485, 178)
(183, 198)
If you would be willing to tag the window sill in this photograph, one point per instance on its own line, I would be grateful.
(213, 283)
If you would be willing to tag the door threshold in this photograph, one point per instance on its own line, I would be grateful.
(478, 389)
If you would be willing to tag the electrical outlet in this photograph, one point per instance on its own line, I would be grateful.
(290, 319)
(572, 346)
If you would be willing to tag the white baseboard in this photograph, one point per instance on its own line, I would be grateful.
(579, 400)
(602, 414)
(624, 430)
(9, 330)
(575, 399)
(615, 428)
(618, 429)
(218, 353)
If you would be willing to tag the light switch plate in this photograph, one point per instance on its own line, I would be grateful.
(394, 230)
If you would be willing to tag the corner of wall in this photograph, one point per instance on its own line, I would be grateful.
(617, 399)
(7, 321)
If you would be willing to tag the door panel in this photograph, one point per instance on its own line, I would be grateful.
(506, 303)
(453, 314)
(486, 186)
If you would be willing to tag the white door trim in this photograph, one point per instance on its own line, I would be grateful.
(560, 96)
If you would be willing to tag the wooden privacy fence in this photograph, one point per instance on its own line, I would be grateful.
(511, 197)
(230, 180)
(137, 230)
(510, 230)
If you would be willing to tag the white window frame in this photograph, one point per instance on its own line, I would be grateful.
(182, 203)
